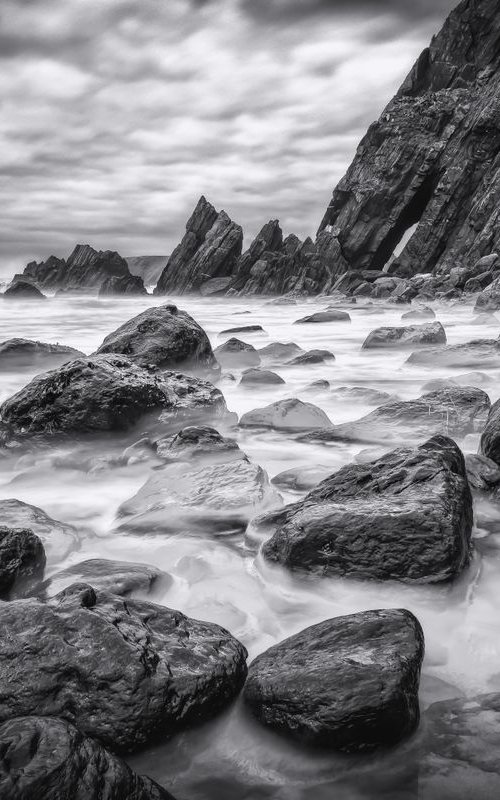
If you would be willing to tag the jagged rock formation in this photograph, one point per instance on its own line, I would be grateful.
(149, 268)
(432, 160)
(85, 268)
(209, 249)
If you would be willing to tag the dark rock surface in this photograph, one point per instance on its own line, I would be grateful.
(235, 353)
(324, 316)
(477, 353)
(489, 299)
(454, 411)
(286, 415)
(200, 442)
(490, 439)
(125, 671)
(312, 357)
(104, 393)
(122, 284)
(23, 290)
(49, 759)
(244, 329)
(300, 479)
(85, 269)
(429, 333)
(209, 249)
(58, 538)
(406, 516)
(279, 352)
(348, 683)
(122, 578)
(483, 474)
(26, 354)
(251, 377)
(163, 337)
(406, 172)
(22, 561)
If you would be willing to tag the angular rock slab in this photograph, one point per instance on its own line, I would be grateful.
(286, 415)
(50, 759)
(406, 516)
(124, 671)
(349, 683)
(429, 333)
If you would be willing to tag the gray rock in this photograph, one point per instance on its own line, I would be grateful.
(200, 442)
(58, 538)
(490, 439)
(429, 333)
(85, 269)
(149, 268)
(122, 285)
(27, 354)
(244, 329)
(361, 394)
(22, 561)
(286, 415)
(418, 314)
(312, 357)
(122, 578)
(477, 353)
(483, 474)
(252, 377)
(324, 316)
(23, 290)
(235, 353)
(279, 352)
(301, 479)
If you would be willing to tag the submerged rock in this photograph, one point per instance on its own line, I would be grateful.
(235, 353)
(58, 538)
(252, 377)
(279, 352)
(312, 357)
(125, 671)
(244, 329)
(429, 333)
(417, 314)
(406, 516)
(27, 354)
(23, 290)
(478, 353)
(22, 561)
(50, 759)
(286, 415)
(361, 394)
(301, 478)
(348, 683)
(325, 316)
(490, 439)
(122, 578)
(163, 337)
(200, 442)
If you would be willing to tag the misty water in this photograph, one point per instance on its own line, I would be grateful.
(220, 579)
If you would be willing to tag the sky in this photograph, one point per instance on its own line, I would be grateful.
(118, 114)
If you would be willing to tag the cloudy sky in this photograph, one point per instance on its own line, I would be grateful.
(118, 114)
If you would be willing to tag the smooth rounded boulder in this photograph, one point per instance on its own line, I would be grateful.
(122, 578)
(236, 354)
(429, 333)
(124, 671)
(260, 377)
(479, 353)
(312, 357)
(200, 442)
(27, 354)
(286, 415)
(406, 516)
(22, 561)
(279, 352)
(164, 337)
(45, 758)
(348, 683)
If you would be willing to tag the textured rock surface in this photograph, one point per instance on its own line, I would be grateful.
(85, 268)
(279, 352)
(163, 337)
(429, 333)
(349, 683)
(26, 354)
(104, 393)
(406, 516)
(477, 353)
(23, 290)
(235, 353)
(124, 671)
(123, 284)
(200, 442)
(244, 329)
(22, 561)
(118, 577)
(432, 158)
(490, 439)
(149, 268)
(58, 538)
(483, 474)
(324, 316)
(286, 415)
(209, 249)
(50, 759)
(312, 357)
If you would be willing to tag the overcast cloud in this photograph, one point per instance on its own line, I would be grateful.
(118, 114)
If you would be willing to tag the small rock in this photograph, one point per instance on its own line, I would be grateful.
(324, 316)
(261, 377)
(199, 442)
(418, 314)
(312, 357)
(361, 394)
(429, 333)
(286, 415)
(235, 353)
(244, 329)
(279, 352)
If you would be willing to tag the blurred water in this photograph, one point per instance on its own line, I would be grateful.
(223, 582)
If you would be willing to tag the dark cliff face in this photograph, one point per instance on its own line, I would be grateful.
(432, 160)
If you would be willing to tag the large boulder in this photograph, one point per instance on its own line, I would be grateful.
(208, 498)
(58, 538)
(286, 415)
(324, 316)
(49, 759)
(23, 290)
(122, 578)
(406, 516)
(22, 561)
(479, 353)
(429, 333)
(490, 439)
(348, 683)
(237, 354)
(163, 337)
(104, 393)
(453, 410)
(18, 354)
(124, 671)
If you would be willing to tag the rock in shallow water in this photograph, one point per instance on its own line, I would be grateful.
(49, 759)
(22, 561)
(479, 353)
(430, 333)
(286, 415)
(23, 290)
(235, 353)
(58, 538)
(324, 316)
(312, 357)
(244, 329)
(26, 354)
(406, 516)
(349, 683)
(252, 377)
(279, 352)
(200, 442)
(122, 578)
(490, 440)
(124, 671)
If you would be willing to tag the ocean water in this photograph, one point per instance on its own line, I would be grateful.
(220, 580)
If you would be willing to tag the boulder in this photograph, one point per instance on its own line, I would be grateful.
(454, 411)
(215, 286)
(58, 538)
(125, 671)
(23, 290)
(235, 353)
(318, 386)
(244, 329)
(22, 561)
(361, 394)
(418, 314)
(200, 442)
(324, 316)
(480, 353)
(279, 352)
(429, 333)
(122, 284)
(479, 282)
(163, 337)
(286, 415)
(16, 354)
(49, 759)
(312, 357)
(406, 516)
(299, 479)
(483, 474)
(348, 683)
(104, 393)
(490, 439)
(214, 498)
(489, 298)
(122, 578)
(252, 377)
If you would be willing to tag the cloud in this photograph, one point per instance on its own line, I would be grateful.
(119, 114)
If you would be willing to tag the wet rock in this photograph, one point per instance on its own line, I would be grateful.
(348, 683)
(200, 442)
(22, 561)
(478, 283)
(125, 671)
(215, 286)
(419, 314)
(286, 415)
(244, 329)
(324, 316)
(22, 290)
(429, 333)
(318, 386)
(104, 393)
(235, 353)
(279, 352)
(301, 479)
(406, 516)
(489, 299)
(122, 284)
(49, 758)
(251, 377)
(490, 439)
(361, 394)
(267, 243)
(453, 411)
(312, 357)
(282, 301)
(122, 578)
(483, 474)
(164, 337)
(58, 538)
(27, 354)
(477, 353)
(211, 498)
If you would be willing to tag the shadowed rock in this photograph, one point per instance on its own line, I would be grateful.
(490, 440)
(235, 353)
(22, 290)
(58, 538)
(324, 316)
(430, 333)
(200, 442)
(28, 354)
(122, 284)
(22, 561)
(122, 578)
(253, 377)
(86, 269)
